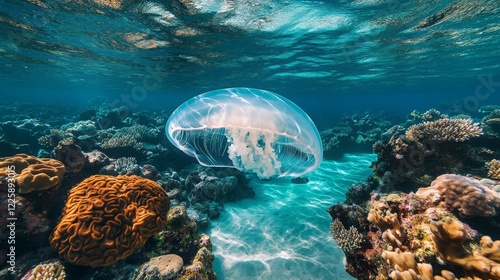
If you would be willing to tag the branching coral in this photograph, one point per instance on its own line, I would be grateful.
(105, 218)
(455, 130)
(494, 169)
(469, 196)
(32, 173)
(449, 237)
(122, 142)
(390, 226)
(405, 266)
(51, 140)
(347, 239)
(139, 132)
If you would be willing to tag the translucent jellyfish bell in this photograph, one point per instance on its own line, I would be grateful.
(252, 130)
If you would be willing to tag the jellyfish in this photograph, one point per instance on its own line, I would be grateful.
(249, 129)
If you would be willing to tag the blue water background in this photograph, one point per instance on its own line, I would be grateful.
(331, 58)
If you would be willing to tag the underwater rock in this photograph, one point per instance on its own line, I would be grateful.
(300, 180)
(87, 115)
(96, 159)
(223, 184)
(163, 267)
(150, 172)
(179, 236)
(7, 148)
(71, 155)
(32, 227)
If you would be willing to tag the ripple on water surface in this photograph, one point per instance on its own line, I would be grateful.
(283, 233)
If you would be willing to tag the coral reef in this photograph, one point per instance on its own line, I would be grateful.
(449, 237)
(415, 117)
(32, 173)
(468, 196)
(494, 169)
(105, 218)
(456, 130)
(355, 133)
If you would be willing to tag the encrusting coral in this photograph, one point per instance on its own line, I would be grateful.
(32, 173)
(161, 267)
(494, 169)
(52, 271)
(105, 218)
(455, 130)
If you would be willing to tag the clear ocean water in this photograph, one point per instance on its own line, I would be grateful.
(283, 233)
(331, 58)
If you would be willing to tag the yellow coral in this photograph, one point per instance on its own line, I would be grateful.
(456, 130)
(390, 227)
(105, 218)
(32, 173)
(52, 271)
(494, 169)
(449, 237)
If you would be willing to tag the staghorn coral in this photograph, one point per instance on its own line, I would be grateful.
(347, 239)
(32, 173)
(455, 130)
(49, 271)
(449, 237)
(469, 196)
(105, 218)
(494, 169)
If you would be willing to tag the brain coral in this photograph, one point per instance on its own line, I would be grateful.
(32, 173)
(471, 197)
(105, 218)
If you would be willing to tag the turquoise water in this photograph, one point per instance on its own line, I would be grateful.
(283, 233)
(332, 58)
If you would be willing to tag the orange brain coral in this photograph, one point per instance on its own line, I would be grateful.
(105, 218)
(32, 173)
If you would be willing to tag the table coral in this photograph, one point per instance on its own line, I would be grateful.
(32, 173)
(105, 218)
(456, 130)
